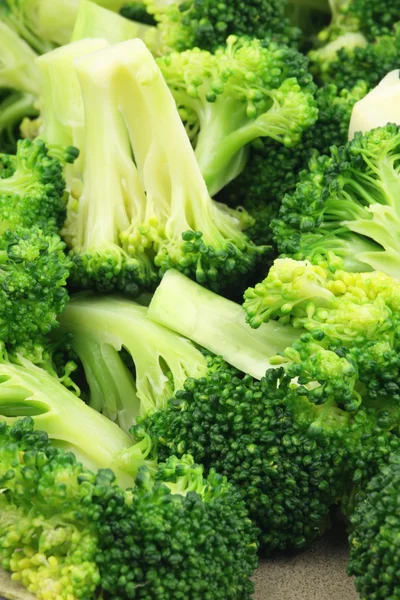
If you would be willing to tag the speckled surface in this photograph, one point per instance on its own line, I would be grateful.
(316, 574)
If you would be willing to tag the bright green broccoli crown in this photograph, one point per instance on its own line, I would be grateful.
(162, 360)
(194, 536)
(33, 274)
(374, 558)
(33, 195)
(248, 89)
(347, 204)
(162, 222)
(351, 58)
(368, 17)
(283, 453)
(274, 170)
(47, 540)
(351, 307)
(204, 24)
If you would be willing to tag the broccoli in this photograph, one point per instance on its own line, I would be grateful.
(246, 90)
(94, 21)
(67, 532)
(351, 57)
(291, 459)
(101, 328)
(127, 227)
(346, 204)
(374, 557)
(45, 23)
(19, 86)
(34, 267)
(273, 169)
(205, 24)
(166, 365)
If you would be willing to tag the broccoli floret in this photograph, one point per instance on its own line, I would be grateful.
(350, 307)
(351, 57)
(32, 195)
(368, 17)
(246, 90)
(162, 360)
(66, 532)
(34, 266)
(291, 460)
(205, 24)
(346, 203)
(128, 227)
(374, 557)
(273, 169)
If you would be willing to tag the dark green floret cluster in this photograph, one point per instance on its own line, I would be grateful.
(199, 293)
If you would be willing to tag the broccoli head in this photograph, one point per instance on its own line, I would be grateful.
(247, 90)
(205, 24)
(346, 204)
(352, 57)
(374, 555)
(67, 532)
(273, 169)
(127, 227)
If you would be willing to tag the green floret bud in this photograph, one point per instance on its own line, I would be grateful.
(260, 435)
(33, 274)
(67, 532)
(33, 194)
(351, 58)
(204, 24)
(248, 89)
(374, 557)
(191, 537)
(352, 307)
(273, 170)
(347, 204)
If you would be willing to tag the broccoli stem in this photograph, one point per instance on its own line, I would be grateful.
(18, 70)
(218, 324)
(13, 110)
(101, 328)
(93, 21)
(26, 390)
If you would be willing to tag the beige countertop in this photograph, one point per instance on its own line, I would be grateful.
(316, 574)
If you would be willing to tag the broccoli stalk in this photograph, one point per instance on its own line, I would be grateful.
(27, 390)
(246, 90)
(94, 21)
(20, 78)
(218, 324)
(44, 23)
(162, 359)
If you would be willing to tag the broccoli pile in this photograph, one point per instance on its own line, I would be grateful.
(199, 293)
